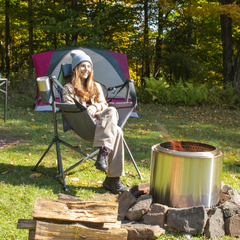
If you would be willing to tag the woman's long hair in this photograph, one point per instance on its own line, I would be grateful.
(85, 91)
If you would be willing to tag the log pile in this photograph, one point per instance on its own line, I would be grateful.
(73, 218)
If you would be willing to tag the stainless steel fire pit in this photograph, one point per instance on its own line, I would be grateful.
(186, 174)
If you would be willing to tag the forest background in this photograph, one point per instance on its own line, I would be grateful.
(179, 52)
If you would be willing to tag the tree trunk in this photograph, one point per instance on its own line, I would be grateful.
(189, 42)
(146, 62)
(67, 39)
(159, 44)
(74, 8)
(227, 44)
(7, 43)
(30, 43)
(236, 79)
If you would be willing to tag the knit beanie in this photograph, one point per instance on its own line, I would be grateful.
(79, 56)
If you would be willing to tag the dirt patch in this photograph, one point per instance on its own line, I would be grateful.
(8, 140)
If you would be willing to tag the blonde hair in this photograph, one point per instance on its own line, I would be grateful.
(87, 90)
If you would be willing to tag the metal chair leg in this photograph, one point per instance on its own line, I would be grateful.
(134, 163)
(59, 161)
(61, 171)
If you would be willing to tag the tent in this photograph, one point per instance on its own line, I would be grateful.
(110, 68)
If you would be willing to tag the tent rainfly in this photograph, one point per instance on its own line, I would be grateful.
(110, 68)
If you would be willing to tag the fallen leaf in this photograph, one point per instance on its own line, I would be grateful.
(74, 179)
(33, 175)
(84, 183)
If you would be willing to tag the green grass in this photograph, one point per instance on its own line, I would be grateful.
(33, 131)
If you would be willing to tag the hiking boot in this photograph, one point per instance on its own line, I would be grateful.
(102, 159)
(114, 184)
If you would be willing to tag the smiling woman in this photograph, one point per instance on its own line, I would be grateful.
(108, 136)
(82, 86)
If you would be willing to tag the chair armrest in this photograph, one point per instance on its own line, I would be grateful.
(121, 104)
(69, 107)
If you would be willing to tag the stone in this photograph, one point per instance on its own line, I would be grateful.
(233, 226)
(230, 208)
(225, 188)
(189, 220)
(215, 226)
(136, 212)
(156, 215)
(235, 196)
(140, 189)
(224, 198)
(138, 230)
(125, 201)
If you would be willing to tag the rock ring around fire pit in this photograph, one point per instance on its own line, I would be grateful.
(186, 174)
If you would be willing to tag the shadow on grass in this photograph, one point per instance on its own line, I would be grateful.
(17, 175)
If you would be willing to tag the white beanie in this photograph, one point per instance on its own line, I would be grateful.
(79, 56)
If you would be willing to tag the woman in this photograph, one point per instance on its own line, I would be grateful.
(108, 135)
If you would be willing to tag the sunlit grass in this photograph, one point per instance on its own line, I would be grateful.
(34, 131)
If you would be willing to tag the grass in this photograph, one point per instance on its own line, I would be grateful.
(30, 133)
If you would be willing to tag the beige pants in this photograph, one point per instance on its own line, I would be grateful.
(109, 134)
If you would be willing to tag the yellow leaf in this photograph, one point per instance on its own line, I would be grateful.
(35, 175)
(74, 179)
(84, 183)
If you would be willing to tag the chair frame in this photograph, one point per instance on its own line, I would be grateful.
(56, 140)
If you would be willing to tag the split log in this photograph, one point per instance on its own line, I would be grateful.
(31, 234)
(65, 197)
(26, 224)
(53, 231)
(31, 224)
(78, 211)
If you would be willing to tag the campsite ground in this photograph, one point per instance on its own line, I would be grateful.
(26, 134)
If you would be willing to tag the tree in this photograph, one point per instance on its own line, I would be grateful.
(7, 36)
(227, 43)
(30, 21)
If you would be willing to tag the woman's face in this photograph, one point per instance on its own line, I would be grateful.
(85, 69)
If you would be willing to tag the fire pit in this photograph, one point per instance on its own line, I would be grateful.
(186, 174)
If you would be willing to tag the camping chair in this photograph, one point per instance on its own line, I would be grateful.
(76, 117)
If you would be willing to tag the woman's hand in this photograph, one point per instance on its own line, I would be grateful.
(92, 110)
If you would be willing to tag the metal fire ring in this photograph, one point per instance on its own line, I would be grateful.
(188, 149)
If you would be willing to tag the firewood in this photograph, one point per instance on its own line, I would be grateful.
(26, 224)
(31, 234)
(80, 211)
(65, 197)
(53, 231)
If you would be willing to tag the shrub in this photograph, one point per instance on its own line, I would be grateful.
(196, 94)
(22, 82)
(155, 91)
(178, 94)
(158, 89)
(189, 94)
